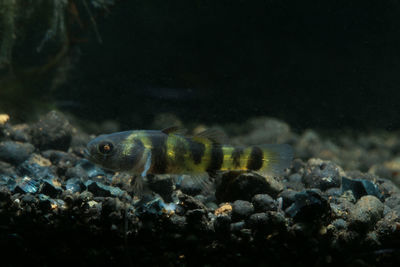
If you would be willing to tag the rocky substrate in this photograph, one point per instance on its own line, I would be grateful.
(56, 207)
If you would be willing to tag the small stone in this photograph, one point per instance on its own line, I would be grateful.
(177, 222)
(26, 185)
(322, 174)
(366, 212)
(99, 189)
(29, 198)
(339, 224)
(45, 203)
(237, 226)
(6, 168)
(269, 222)
(20, 133)
(53, 131)
(360, 187)
(50, 188)
(15, 152)
(190, 203)
(224, 209)
(393, 201)
(75, 185)
(7, 181)
(263, 203)
(60, 158)
(308, 205)
(36, 171)
(244, 186)
(190, 187)
(222, 223)
(241, 209)
(258, 220)
(288, 197)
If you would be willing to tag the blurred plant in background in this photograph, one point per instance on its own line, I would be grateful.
(36, 37)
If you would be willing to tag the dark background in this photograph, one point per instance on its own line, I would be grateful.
(321, 64)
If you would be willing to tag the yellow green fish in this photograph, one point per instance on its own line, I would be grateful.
(143, 152)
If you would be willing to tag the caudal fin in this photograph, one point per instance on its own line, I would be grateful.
(276, 159)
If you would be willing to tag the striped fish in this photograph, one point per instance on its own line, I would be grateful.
(168, 151)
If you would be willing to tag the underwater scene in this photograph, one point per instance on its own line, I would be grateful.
(199, 133)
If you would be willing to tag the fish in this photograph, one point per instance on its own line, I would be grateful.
(171, 151)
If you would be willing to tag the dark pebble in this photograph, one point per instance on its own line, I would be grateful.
(222, 223)
(393, 201)
(258, 220)
(366, 212)
(288, 197)
(61, 159)
(29, 198)
(49, 188)
(75, 185)
(7, 181)
(241, 209)
(15, 152)
(53, 131)
(321, 174)
(99, 189)
(6, 168)
(234, 185)
(190, 203)
(177, 223)
(308, 205)
(190, 187)
(76, 171)
(339, 224)
(360, 187)
(268, 222)
(263, 202)
(237, 226)
(20, 133)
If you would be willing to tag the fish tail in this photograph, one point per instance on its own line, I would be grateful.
(263, 159)
(276, 158)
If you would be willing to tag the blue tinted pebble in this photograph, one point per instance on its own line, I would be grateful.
(26, 185)
(36, 171)
(360, 187)
(101, 190)
(75, 185)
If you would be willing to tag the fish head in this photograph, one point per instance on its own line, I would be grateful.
(117, 152)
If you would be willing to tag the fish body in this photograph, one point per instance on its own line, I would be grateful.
(168, 152)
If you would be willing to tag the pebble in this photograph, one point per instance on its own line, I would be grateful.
(322, 174)
(241, 209)
(244, 186)
(15, 152)
(50, 189)
(360, 187)
(101, 190)
(366, 212)
(263, 202)
(53, 131)
(308, 205)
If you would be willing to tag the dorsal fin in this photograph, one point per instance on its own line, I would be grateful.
(175, 130)
(215, 135)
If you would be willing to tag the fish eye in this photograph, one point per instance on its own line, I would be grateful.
(105, 147)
